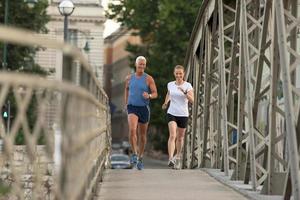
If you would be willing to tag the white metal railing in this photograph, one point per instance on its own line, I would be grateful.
(67, 134)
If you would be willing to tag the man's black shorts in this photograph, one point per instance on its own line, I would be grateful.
(180, 121)
(142, 112)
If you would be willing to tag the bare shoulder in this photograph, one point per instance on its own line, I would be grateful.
(128, 77)
(189, 84)
(150, 78)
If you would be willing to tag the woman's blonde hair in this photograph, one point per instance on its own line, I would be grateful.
(179, 67)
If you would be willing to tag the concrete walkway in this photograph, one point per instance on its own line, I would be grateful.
(163, 184)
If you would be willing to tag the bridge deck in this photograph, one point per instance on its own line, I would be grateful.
(163, 184)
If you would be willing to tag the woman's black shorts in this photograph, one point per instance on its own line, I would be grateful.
(180, 121)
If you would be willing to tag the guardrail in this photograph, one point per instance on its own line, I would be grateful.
(66, 137)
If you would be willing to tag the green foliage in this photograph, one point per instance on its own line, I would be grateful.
(21, 58)
(22, 16)
(4, 189)
(165, 27)
(31, 116)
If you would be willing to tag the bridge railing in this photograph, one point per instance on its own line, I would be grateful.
(243, 61)
(56, 144)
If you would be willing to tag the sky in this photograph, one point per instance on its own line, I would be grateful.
(110, 26)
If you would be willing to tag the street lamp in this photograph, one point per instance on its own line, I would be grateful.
(30, 3)
(86, 47)
(66, 8)
(6, 10)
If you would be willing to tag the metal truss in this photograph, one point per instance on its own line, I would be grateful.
(243, 60)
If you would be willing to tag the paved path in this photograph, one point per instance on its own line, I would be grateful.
(163, 184)
(151, 163)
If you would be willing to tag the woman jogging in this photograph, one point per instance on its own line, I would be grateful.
(180, 92)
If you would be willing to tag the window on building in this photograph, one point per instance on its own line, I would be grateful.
(73, 37)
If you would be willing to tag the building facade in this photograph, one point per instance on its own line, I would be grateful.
(117, 67)
(85, 30)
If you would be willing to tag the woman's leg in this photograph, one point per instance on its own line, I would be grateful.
(172, 137)
(179, 141)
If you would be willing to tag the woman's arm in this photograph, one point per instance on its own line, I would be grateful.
(190, 96)
(167, 99)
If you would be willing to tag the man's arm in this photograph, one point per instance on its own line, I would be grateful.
(126, 90)
(153, 88)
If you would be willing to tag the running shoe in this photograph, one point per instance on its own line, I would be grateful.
(140, 164)
(177, 163)
(133, 159)
(171, 163)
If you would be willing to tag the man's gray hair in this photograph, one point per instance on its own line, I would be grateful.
(140, 58)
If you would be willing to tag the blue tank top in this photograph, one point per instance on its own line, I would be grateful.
(137, 86)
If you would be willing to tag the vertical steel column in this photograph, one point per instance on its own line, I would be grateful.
(240, 168)
(222, 98)
(258, 94)
(293, 36)
(232, 89)
(272, 109)
(216, 135)
(207, 85)
(194, 118)
(249, 91)
(288, 103)
(187, 151)
(275, 161)
(262, 50)
(233, 62)
(197, 126)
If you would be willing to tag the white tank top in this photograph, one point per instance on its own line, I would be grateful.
(178, 101)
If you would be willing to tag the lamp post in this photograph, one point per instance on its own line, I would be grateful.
(31, 3)
(66, 8)
(4, 59)
(6, 10)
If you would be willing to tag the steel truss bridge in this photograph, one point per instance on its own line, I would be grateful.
(243, 62)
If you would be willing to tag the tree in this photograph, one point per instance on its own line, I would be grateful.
(164, 27)
(21, 58)
(22, 16)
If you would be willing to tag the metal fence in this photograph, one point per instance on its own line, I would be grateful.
(243, 61)
(67, 134)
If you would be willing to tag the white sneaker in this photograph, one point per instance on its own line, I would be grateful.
(177, 163)
(171, 163)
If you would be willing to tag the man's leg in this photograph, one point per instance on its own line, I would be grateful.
(132, 125)
(142, 137)
(172, 137)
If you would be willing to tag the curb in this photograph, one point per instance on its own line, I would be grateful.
(225, 180)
